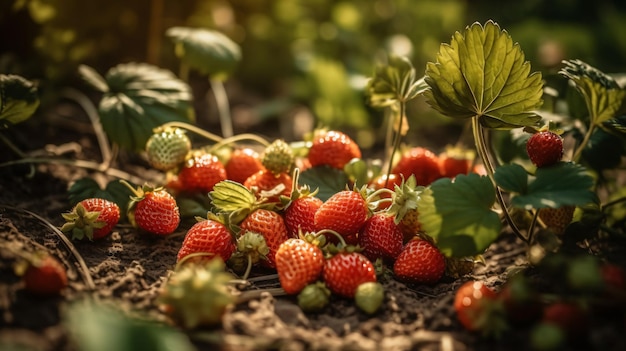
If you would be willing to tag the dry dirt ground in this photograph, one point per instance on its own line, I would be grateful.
(128, 269)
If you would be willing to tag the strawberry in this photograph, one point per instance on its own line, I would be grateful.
(521, 302)
(614, 277)
(380, 237)
(208, 236)
(419, 262)
(201, 172)
(265, 184)
(44, 275)
(569, 317)
(385, 181)
(471, 304)
(404, 208)
(345, 271)
(298, 263)
(420, 162)
(153, 210)
(278, 157)
(454, 161)
(544, 148)
(242, 164)
(92, 218)
(344, 212)
(299, 210)
(166, 148)
(271, 226)
(334, 149)
(557, 219)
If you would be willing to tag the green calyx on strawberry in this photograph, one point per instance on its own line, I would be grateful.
(167, 148)
(92, 218)
(251, 249)
(153, 210)
(404, 207)
(198, 294)
(314, 297)
(545, 146)
(278, 157)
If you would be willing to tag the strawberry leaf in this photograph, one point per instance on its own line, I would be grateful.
(18, 99)
(602, 102)
(482, 73)
(394, 81)
(459, 214)
(327, 180)
(139, 98)
(229, 196)
(210, 52)
(565, 183)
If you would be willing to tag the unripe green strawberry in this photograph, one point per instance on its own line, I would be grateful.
(314, 297)
(544, 148)
(167, 148)
(198, 294)
(369, 297)
(557, 219)
(278, 157)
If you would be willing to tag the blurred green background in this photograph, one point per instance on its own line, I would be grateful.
(305, 62)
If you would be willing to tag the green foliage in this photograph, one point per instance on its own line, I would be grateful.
(393, 82)
(482, 73)
(18, 99)
(326, 179)
(100, 327)
(210, 52)
(563, 184)
(602, 95)
(138, 98)
(459, 214)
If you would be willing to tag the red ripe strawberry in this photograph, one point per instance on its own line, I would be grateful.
(45, 275)
(298, 263)
(470, 302)
(93, 218)
(334, 149)
(208, 236)
(344, 272)
(381, 237)
(385, 181)
(421, 162)
(544, 148)
(271, 226)
(570, 317)
(344, 212)
(265, 181)
(419, 262)
(455, 161)
(201, 172)
(300, 215)
(153, 210)
(242, 164)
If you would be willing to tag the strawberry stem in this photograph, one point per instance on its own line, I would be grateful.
(213, 137)
(398, 136)
(584, 143)
(221, 99)
(342, 241)
(481, 148)
(246, 274)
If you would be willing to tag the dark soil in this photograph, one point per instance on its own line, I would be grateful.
(128, 268)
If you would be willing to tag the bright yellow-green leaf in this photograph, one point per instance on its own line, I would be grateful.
(602, 103)
(482, 73)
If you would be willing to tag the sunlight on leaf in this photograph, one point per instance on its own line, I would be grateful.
(394, 81)
(18, 99)
(483, 73)
(565, 183)
(602, 102)
(210, 52)
(459, 214)
(140, 97)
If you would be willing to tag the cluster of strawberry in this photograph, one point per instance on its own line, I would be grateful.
(261, 215)
(552, 323)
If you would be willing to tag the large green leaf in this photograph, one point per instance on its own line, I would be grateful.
(210, 52)
(18, 99)
(565, 183)
(459, 214)
(394, 81)
(602, 103)
(138, 98)
(482, 73)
